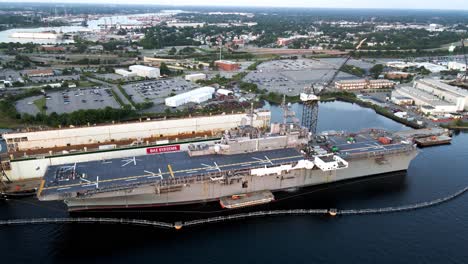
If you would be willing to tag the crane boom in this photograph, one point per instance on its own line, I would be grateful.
(310, 97)
(332, 79)
(463, 78)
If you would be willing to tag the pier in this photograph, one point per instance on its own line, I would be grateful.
(180, 224)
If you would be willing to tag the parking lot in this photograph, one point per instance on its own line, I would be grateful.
(291, 76)
(158, 90)
(69, 101)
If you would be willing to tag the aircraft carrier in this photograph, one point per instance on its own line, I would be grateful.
(244, 167)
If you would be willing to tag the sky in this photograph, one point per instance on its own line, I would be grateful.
(399, 4)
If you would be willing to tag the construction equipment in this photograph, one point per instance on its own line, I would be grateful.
(311, 96)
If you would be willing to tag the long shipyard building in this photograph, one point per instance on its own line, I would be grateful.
(244, 167)
(30, 153)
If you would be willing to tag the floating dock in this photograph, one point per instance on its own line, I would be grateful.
(433, 141)
(247, 199)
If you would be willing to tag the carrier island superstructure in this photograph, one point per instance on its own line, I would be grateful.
(244, 167)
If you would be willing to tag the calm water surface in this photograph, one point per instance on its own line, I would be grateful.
(432, 235)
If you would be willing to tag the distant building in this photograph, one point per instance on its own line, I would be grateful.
(39, 73)
(125, 73)
(145, 71)
(287, 41)
(238, 42)
(195, 77)
(95, 48)
(364, 84)
(397, 75)
(434, 97)
(51, 48)
(402, 100)
(457, 66)
(227, 65)
(224, 92)
(449, 93)
(198, 95)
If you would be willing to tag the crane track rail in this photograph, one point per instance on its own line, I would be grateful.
(178, 225)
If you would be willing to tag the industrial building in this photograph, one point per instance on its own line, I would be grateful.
(398, 75)
(428, 103)
(198, 95)
(227, 65)
(287, 41)
(434, 96)
(195, 77)
(125, 73)
(364, 84)
(39, 73)
(402, 100)
(224, 92)
(429, 66)
(145, 71)
(113, 133)
(456, 66)
(446, 92)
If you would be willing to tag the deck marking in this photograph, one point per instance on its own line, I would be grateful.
(64, 188)
(170, 171)
(217, 167)
(210, 167)
(268, 160)
(128, 161)
(41, 187)
(155, 175)
(85, 180)
(131, 179)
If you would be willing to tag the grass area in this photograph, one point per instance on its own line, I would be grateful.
(117, 98)
(8, 122)
(86, 84)
(129, 98)
(457, 124)
(41, 105)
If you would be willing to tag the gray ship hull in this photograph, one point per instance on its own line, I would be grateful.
(209, 190)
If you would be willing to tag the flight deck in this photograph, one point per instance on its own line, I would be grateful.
(103, 174)
(364, 144)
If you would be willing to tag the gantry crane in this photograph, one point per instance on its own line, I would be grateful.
(311, 96)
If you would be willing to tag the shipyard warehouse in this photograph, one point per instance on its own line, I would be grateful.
(433, 96)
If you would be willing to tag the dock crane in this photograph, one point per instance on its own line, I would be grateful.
(463, 76)
(311, 96)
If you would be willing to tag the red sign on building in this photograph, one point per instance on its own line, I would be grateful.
(155, 150)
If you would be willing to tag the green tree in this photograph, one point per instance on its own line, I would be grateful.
(172, 51)
(164, 70)
(376, 70)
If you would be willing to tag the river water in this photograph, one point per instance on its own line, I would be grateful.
(93, 25)
(432, 235)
